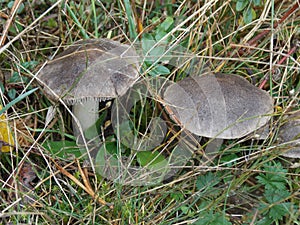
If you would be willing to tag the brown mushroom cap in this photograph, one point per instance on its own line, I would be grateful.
(290, 132)
(90, 69)
(222, 106)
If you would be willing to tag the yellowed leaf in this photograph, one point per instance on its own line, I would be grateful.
(278, 109)
(5, 134)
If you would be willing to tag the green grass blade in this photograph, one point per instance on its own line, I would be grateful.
(131, 23)
(82, 30)
(16, 100)
(95, 19)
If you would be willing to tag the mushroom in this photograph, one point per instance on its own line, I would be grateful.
(219, 106)
(87, 72)
(289, 133)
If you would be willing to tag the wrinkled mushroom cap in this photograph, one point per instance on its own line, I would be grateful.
(222, 106)
(289, 133)
(90, 69)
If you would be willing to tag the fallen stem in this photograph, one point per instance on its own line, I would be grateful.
(84, 177)
(86, 189)
(253, 41)
(9, 21)
(279, 63)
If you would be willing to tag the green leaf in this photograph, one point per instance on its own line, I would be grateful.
(63, 149)
(30, 65)
(2, 87)
(15, 78)
(265, 221)
(20, 9)
(228, 160)
(126, 133)
(220, 220)
(160, 35)
(274, 196)
(298, 85)
(274, 178)
(271, 181)
(12, 93)
(166, 25)
(146, 158)
(241, 4)
(177, 196)
(16, 29)
(159, 70)
(207, 180)
(185, 209)
(52, 23)
(277, 212)
(147, 41)
(106, 161)
(249, 15)
(153, 161)
(211, 218)
(279, 208)
(151, 53)
(256, 2)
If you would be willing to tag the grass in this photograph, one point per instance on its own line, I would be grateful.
(247, 183)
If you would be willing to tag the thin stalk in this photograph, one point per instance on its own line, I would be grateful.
(131, 24)
(73, 16)
(95, 19)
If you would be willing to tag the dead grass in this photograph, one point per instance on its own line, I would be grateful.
(39, 187)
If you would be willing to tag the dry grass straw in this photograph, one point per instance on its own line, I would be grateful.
(214, 32)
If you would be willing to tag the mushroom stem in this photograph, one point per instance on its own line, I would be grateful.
(87, 115)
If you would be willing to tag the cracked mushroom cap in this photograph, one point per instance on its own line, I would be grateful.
(90, 69)
(220, 105)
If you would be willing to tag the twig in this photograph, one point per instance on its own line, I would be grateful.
(279, 63)
(9, 20)
(86, 189)
(3, 48)
(84, 177)
(253, 41)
